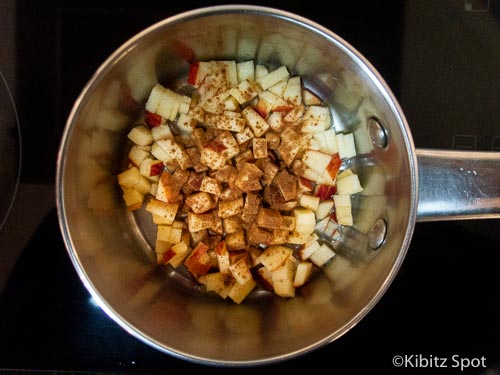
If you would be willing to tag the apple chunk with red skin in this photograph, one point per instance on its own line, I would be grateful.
(153, 119)
(199, 261)
(151, 168)
(320, 162)
(175, 254)
(325, 192)
(334, 166)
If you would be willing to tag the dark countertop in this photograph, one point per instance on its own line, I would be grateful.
(440, 58)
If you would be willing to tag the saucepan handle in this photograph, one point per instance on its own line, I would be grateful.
(455, 185)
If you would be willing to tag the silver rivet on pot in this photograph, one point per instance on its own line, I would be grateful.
(377, 234)
(377, 132)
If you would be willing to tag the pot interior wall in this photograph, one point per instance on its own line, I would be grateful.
(113, 250)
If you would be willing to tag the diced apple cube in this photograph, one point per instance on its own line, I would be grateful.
(316, 119)
(140, 135)
(244, 136)
(166, 103)
(341, 145)
(278, 88)
(210, 185)
(151, 168)
(239, 292)
(198, 222)
(298, 238)
(175, 152)
(291, 144)
(155, 97)
(257, 124)
(310, 98)
(181, 251)
(228, 145)
(288, 223)
(186, 123)
(293, 90)
(312, 175)
(316, 160)
(259, 148)
(325, 192)
(349, 185)
(275, 121)
(215, 103)
(232, 224)
(349, 145)
(212, 158)
(245, 70)
(169, 234)
(225, 122)
(309, 201)
(222, 255)
(198, 262)
(129, 178)
(229, 67)
(280, 237)
(133, 198)
(154, 189)
(295, 115)
(161, 246)
(153, 120)
(274, 256)
(214, 282)
(199, 202)
(343, 209)
(305, 220)
(283, 279)
(344, 173)
(309, 249)
(260, 71)
(161, 132)
(265, 277)
(230, 208)
(236, 240)
(231, 104)
(269, 102)
(324, 209)
(166, 211)
(273, 77)
(332, 169)
(198, 70)
(302, 274)
(240, 271)
(327, 141)
(176, 104)
(244, 92)
(342, 200)
(316, 144)
(137, 155)
(322, 255)
(143, 185)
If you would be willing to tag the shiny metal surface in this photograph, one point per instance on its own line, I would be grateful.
(10, 150)
(112, 249)
(457, 185)
(377, 133)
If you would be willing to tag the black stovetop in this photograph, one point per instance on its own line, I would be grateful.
(440, 59)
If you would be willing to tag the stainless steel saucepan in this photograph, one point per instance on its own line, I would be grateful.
(112, 249)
